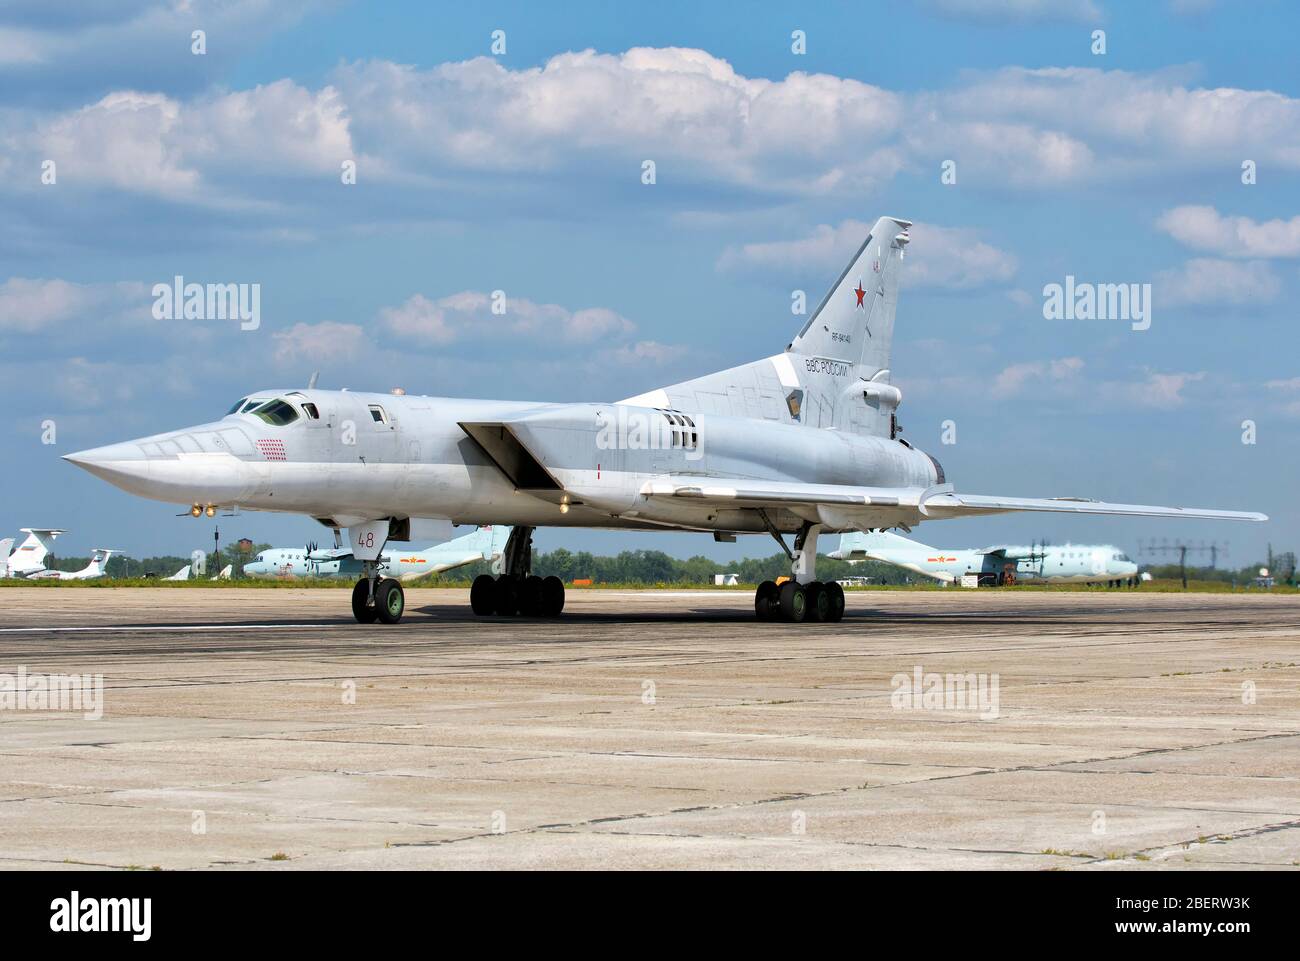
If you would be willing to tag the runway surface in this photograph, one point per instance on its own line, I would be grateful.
(265, 729)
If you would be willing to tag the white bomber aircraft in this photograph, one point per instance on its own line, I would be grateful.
(800, 442)
(1001, 564)
(483, 544)
(30, 557)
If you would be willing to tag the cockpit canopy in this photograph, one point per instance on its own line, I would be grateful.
(246, 405)
(276, 411)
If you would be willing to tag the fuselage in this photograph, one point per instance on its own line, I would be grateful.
(345, 457)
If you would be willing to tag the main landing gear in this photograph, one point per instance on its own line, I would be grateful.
(801, 598)
(516, 590)
(377, 599)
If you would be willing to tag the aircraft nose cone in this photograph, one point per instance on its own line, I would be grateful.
(120, 464)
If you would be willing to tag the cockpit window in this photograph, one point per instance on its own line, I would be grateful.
(277, 412)
(246, 405)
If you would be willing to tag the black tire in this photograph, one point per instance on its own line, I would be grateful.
(530, 596)
(552, 596)
(817, 601)
(482, 595)
(390, 601)
(506, 600)
(766, 599)
(361, 607)
(794, 602)
(836, 595)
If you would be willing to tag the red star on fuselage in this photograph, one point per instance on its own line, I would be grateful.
(861, 293)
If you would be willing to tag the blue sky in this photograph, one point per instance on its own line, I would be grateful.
(521, 172)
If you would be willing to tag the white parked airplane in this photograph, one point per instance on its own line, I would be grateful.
(1001, 564)
(799, 442)
(483, 544)
(96, 568)
(30, 557)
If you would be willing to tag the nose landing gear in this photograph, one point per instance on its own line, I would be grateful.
(516, 590)
(376, 599)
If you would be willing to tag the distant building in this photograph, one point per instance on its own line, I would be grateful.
(726, 579)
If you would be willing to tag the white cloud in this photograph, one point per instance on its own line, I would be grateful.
(587, 114)
(1208, 281)
(649, 352)
(1163, 391)
(29, 305)
(1289, 388)
(324, 342)
(1071, 124)
(948, 258)
(1064, 379)
(150, 143)
(468, 316)
(1204, 228)
(56, 49)
(1014, 379)
(686, 109)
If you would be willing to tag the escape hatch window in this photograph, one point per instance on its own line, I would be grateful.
(277, 412)
(310, 410)
(378, 414)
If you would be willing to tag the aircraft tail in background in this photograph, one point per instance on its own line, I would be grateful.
(877, 545)
(31, 553)
(98, 565)
(5, 546)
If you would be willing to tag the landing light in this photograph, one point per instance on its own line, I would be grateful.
(564, 508)
(196, 511)
(211, 510)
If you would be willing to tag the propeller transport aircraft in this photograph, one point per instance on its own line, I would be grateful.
(801, 442)
(483, 544)
(1002, 564)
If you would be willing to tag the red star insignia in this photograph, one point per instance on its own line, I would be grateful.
(861, 293)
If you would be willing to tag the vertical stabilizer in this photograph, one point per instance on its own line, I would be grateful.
(31, 553)
(835, 373)
(855, 320)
